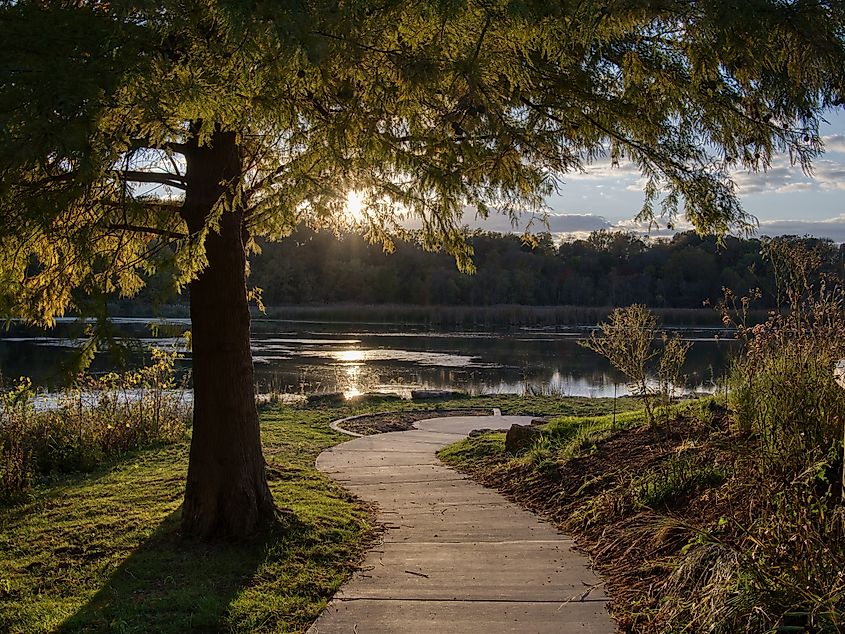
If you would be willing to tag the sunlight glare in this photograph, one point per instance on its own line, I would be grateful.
(349, 356)
(354, 202)
(352, 393)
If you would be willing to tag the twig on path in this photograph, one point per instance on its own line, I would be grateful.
(583, 595)
(418, 574)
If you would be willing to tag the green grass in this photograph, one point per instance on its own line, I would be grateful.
(474, 450)
(678, 476)
(100, 553)
(533, 405)
(561, 438)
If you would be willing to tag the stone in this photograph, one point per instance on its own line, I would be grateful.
(327, 398)
(521, 437)
(429, 395)
(479, 432)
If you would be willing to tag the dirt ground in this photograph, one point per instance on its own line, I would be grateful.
(380, 423)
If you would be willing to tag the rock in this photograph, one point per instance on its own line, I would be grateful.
(428, 395)
(327, 398)
(479, 432)
(374, 397)
(521, 437)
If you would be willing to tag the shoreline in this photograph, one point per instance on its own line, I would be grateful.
(446, 316)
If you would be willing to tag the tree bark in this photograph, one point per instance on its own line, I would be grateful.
(226, 495)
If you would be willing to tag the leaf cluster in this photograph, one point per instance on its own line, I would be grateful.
(430, 111)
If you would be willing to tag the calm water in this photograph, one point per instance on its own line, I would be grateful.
(355, 358)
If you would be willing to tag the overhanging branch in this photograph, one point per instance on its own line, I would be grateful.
(173, 146)
(175, 235)
(148, 204)
(158, 178)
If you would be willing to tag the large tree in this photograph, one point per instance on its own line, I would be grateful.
(137, 136)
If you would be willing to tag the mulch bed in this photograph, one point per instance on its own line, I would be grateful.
(383, 422)
(627, 545)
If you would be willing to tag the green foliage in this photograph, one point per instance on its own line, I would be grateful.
(627, 341)
(782, 573)
(16, 468)
(607, 269)
(783, 388)
(474, 449)
(96, 421)
(576, 435)
(423, 109)
(563, 438)
(677, 477)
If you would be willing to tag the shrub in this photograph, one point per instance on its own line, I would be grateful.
(627, 341)
(782, 573)
(782, 386)
(16, 414)
(778, 565)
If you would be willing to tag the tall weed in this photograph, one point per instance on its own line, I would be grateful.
(782, 386)
(95, 421)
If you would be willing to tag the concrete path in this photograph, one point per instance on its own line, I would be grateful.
(457, 558)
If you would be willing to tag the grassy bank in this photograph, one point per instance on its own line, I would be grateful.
(450, 317)
(689, 530)
(497, 316)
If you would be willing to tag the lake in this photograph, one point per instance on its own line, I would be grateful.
(308, 357)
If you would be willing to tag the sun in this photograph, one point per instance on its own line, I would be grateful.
(354, 202)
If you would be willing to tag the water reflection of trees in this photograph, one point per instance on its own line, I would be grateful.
(495, 362)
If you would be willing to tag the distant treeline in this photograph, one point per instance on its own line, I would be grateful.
(606, 269)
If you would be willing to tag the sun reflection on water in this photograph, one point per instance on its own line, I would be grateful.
(352, 367)
(350, 356)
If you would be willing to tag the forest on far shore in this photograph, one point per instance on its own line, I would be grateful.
(606, 269)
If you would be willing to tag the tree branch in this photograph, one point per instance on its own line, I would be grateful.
(173, 146)
(175, 235)
(159, 178)
(174, 207)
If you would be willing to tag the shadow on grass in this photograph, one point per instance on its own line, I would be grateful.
(170, 584)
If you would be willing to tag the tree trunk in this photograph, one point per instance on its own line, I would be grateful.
(226, 494)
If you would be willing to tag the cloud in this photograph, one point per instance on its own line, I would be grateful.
(557, 223)
(652, 230)
(603, 169)
(566, 227)
(831, 228)
(834, 143)
(829, 174)
(782, 177)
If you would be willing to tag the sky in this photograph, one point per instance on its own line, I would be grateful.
(783, 199)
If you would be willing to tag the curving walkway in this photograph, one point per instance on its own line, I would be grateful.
(456, 558)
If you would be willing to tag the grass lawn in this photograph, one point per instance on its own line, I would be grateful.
(99, 552)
